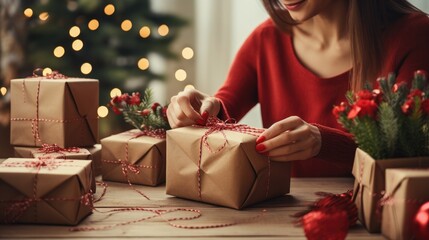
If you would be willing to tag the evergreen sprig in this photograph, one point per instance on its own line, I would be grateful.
(140, 111)
(389, 121)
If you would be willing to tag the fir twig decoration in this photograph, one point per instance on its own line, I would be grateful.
(389, 121)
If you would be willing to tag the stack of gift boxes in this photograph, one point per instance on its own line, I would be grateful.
(54, 130)
(389, 192)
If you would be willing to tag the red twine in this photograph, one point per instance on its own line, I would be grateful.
(134, 168)
(214, 125)
(18, 207)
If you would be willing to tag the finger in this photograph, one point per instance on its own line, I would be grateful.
(277, 128)
(170, 117)
(178, 117)
(186, 107)
(287, 138)
(292, 148)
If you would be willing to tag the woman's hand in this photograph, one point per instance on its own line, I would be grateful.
(191, 107)
(290, 139)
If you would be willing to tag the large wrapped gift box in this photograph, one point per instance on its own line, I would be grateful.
(228, 171)
(53, 191)
(132, 157)
(406, 191)
(54, 111)
(90, 153)
(370, 184)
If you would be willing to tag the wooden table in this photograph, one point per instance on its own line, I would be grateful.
(275, 223)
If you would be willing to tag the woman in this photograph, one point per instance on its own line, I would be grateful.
(300, 63)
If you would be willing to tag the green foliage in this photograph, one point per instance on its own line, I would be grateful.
(389, 121)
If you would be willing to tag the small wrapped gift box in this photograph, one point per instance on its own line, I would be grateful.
(51, 191)
(222, 167)
(133, 157)
(54, 111)
(52, 151)
(370, 184)
(406, 191)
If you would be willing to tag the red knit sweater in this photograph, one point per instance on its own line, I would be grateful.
(267, 71)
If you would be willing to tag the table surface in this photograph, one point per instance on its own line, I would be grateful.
(276, 222)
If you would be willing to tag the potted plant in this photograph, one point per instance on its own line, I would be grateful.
(390, 124)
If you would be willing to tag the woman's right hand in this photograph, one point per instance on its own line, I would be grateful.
(191, 107)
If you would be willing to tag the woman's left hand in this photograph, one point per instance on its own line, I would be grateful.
(290, 139)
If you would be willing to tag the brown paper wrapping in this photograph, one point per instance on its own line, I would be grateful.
(370, 184)
(66, 110)
(406, 191)
(144, 152)
(235, 177)
(90, 153)
(70, 180)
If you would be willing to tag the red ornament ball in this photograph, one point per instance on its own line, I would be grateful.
(421, 223)
(326, 224)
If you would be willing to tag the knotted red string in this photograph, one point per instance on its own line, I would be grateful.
(54, 148)
(17, 208)
(126, 166)
(215, 125)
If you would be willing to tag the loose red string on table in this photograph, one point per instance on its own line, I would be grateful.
(214, 125)
(161, 213)
(17, 208)
(126, 166)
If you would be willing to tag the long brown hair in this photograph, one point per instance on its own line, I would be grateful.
(366, 21)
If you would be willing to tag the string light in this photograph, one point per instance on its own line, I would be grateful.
(28, 12)
(77, 45)
(3, 91)
(189, 87)
(187, 53)
(144, 32)
(126, 25)
(143, 63)
(93, 24)
(74, 31)
(109, 9)
(115, 92)
(59, 51)
(102, 111)
(46, 71)
(44, 16)
(163, 30)
(86, 68)
(180, 75)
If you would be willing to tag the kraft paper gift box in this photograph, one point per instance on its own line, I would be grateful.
(369, 184)
(406, 191)
(45, 192)
(90, 153)
(128, 157)
(235, 176)
(54, 111)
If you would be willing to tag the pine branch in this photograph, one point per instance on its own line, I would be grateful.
(389, 128)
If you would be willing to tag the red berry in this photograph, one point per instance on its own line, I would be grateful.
(145, 112)
(154, 106)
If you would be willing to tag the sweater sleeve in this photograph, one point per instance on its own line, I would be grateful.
(337, 146)
(239, 93)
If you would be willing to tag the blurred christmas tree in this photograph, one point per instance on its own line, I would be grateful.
(109, 40)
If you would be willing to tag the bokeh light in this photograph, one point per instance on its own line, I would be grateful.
(44, 16)
(74, 31)
(163, 30)
(59, 51)
(86, 68)
(115, 92)
(77, 45)
(187, 53)
(180, 75)
(102, 111)
(93, 24)
(126, 25)
(143, 63)
(3, 91)
(189, 86)
(46, 71)
(28, 12)
(144, 32)
(109, 9)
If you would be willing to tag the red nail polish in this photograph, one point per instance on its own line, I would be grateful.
(260, 147)
(205, 115)
(200, 122)
(260, 139)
